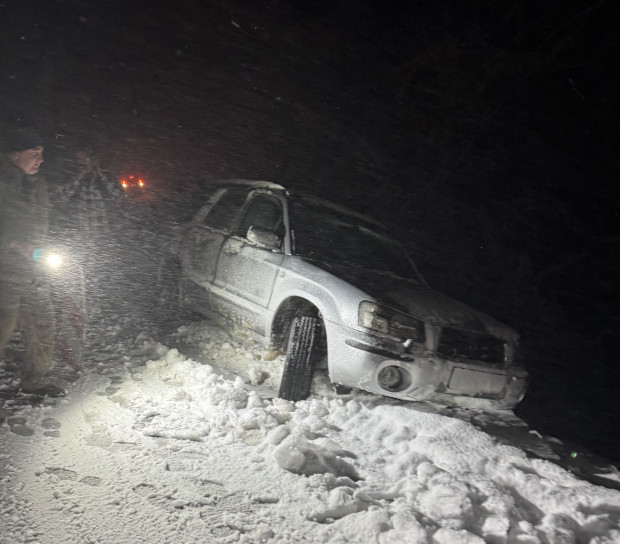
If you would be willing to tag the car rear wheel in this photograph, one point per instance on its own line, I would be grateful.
(303, 353)
(172, 291)
(168, 285)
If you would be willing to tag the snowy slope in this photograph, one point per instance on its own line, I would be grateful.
(153, 446)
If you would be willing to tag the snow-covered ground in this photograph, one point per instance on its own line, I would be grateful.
(159, 441)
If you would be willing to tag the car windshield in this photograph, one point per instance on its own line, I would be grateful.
(328, 234)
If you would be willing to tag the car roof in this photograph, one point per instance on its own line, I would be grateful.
(302, 195)
(258, 184)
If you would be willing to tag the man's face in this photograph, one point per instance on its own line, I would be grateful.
(83, 160)
(29, 160)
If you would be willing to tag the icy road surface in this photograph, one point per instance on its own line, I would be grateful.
(159, 442)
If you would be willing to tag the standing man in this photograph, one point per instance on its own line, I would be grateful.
(93, 195)
(25, 293)
(91, 203)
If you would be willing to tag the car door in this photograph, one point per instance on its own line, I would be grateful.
(246, 271)
(204, 239)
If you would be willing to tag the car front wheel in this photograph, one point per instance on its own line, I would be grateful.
(303, 353)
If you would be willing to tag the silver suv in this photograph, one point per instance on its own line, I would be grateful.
(333, 290)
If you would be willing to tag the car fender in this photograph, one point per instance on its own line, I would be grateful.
(336, 299)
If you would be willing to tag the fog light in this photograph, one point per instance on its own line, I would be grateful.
(390, 377)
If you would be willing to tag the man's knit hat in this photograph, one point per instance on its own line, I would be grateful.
(23, 138)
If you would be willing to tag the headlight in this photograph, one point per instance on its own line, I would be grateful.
(390, 322)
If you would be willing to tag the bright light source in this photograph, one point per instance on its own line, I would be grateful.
(53, 260)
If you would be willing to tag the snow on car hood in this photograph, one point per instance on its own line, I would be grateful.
(420, 301)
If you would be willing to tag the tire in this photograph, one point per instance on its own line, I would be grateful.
(168, 287)
(303, 353)
(169, 297)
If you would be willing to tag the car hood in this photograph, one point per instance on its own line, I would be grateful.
(420, 301)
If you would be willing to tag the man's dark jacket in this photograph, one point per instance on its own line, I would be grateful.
(24, 218)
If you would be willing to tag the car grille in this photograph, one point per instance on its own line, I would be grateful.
(457, 344)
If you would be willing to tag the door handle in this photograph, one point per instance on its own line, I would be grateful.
(231, 250)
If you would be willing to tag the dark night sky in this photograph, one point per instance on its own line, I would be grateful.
(486, 132)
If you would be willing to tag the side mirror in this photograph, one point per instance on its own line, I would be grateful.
(264, 238)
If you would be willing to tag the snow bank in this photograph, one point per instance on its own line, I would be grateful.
(172, 451)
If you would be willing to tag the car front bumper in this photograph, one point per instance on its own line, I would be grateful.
(358, 360)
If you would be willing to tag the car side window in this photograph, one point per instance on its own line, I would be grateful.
(224, 212)
(263, 211)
